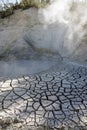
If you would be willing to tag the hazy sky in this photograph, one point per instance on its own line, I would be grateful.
(11, 1)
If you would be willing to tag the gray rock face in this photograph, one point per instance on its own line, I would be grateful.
(52, 30)
(13, 31)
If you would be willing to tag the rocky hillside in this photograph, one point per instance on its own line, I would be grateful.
(15, 42)
(13, 31)
(60, 28)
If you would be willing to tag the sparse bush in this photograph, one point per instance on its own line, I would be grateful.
(32, 3)
(16, 6)
(7, 12)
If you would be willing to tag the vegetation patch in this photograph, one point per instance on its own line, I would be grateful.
(24, 4)
(7, 12)
(32, 3)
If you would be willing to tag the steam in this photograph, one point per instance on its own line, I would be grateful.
(12, 69)
(55, 12)
(64, 23)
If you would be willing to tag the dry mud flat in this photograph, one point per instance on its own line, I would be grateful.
(55, 99)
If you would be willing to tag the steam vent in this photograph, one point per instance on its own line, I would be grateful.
(43, 65)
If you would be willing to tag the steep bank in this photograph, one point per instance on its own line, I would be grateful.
(12, 31)
(14, 40)
(60, 28)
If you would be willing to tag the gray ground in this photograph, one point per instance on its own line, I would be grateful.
(19, 68)
(56, 98)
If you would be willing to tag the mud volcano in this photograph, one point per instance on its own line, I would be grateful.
(43, 69)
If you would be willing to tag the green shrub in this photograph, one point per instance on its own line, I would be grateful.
(16, 6)
(32, 3)
(27, 4)
(7, 12)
